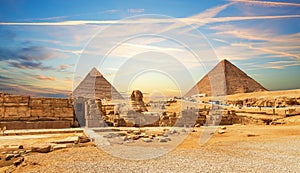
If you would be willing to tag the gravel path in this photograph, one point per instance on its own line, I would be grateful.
(271, 155)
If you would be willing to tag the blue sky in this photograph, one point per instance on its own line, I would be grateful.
(47, 47)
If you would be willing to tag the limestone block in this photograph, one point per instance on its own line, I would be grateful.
(61, 103)
(13, 100)
(1, 111)
(36, 112)
(66, 119)
(35, 102)
(23, 111)
(66, 115)
(47, 101)
(11, 111)
(1, 99)
(68, 110)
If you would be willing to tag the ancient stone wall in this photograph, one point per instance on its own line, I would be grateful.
(21, 112)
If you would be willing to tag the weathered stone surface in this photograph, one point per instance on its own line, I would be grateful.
(41, 148)
(59, 146)
(70, 139)
(22, 112)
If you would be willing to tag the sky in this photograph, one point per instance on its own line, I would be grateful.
(47, 47)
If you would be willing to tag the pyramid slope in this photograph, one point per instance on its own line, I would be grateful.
(94, 85)
(225, 79)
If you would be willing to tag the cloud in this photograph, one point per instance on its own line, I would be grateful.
(281, 64)
(267, 3)
(136, 10)
(47, 18)
(4, 78)
(63, 67)
(28, 65)
(23, 89)
(109, 11)
(262, 41)
(32, 53)
(45, 78)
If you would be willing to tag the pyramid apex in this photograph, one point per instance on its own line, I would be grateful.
(224, 61)
(94, 72)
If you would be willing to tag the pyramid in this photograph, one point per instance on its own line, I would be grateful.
(225, 79)
(94, 85)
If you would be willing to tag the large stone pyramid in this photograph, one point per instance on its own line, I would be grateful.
(225, 79)
(95, 86)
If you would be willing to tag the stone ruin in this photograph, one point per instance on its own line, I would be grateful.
(25, 112)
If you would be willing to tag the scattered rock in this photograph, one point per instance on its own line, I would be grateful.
(17, 155)
(159, 134)
(146, 139)
(197, 125)
(21, 147)
(41, 148)
(157, 138)
(18, 161)
(173, 131)
(194, 130)
(251, 135)
(223, 128)
(165, 135)
(125, 138)
(221, 131)
(14, 147)
(183, 130)
(111, 135)
(59, 146)
(136, 132)
(164, 139)
(83, 139)
(9, 156)
(70, 139)
(134, 137)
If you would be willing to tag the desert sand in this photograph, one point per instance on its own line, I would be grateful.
(248, 148)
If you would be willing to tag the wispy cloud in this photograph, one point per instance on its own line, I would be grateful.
(195, 21)
(282, 64)
(267, 3)
(63, 67)
(45, 78)
(31, 53)
(32, 90)
(47, 18)
(136, 10)
(28, 65)
(261, 41)
(4, 78)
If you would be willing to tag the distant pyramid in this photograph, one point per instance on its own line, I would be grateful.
(225, 79)
(94, 85)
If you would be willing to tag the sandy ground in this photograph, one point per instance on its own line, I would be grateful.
(240, 149)
(266, 94)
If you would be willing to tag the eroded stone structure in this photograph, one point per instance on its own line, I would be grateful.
(25, 112)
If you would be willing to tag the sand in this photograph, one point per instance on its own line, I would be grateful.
(249, 148)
